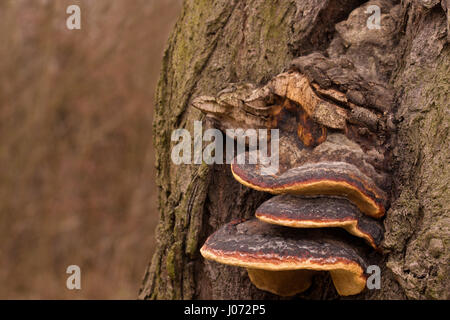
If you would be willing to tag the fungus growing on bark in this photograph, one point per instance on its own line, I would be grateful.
(282, 260)
(297, 212)
(324, 178)
(330, 174)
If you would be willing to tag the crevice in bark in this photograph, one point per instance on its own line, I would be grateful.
(321, 34)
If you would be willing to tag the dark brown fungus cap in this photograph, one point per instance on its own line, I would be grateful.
(281, 260)
(295, 211)
(324, 178)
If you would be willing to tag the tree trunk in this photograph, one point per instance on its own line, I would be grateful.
(218, 42)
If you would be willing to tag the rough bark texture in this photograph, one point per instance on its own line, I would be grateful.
(218, 42)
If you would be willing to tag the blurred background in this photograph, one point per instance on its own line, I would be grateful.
(76, 157)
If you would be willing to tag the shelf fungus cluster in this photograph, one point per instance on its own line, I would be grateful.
(329, 189)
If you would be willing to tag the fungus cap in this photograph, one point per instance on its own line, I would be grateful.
(273, 254)
(316, 179)
(321, 212)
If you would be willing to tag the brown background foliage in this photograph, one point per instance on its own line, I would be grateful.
(77, 175)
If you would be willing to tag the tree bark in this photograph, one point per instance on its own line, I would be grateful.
(218, 42)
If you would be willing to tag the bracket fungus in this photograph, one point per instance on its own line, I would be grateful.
(283, 260)
(323, 178)
(331, 176)
(322, 212)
